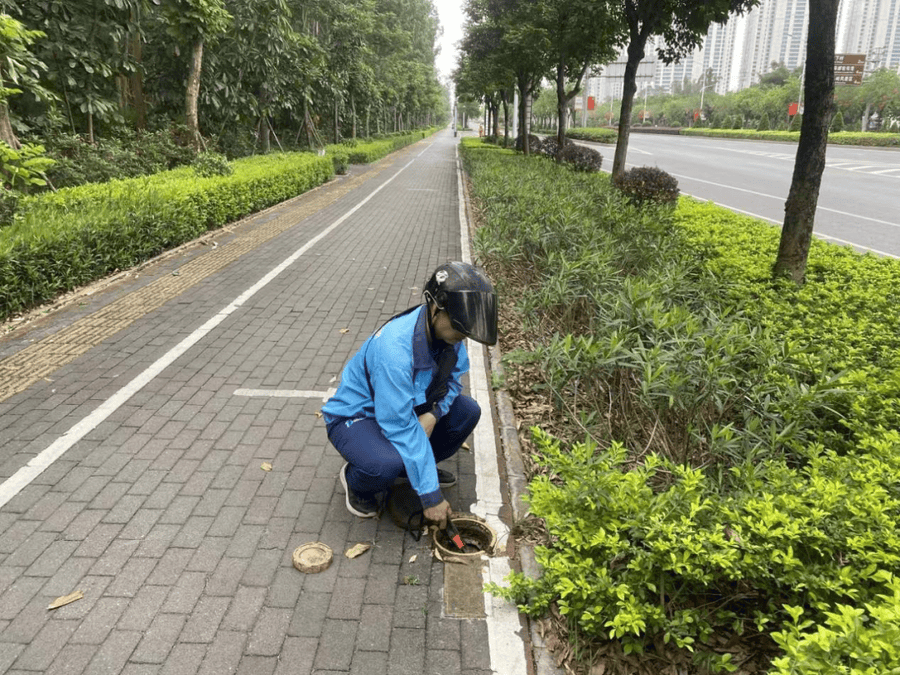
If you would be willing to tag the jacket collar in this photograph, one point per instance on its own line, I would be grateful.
(421, 353)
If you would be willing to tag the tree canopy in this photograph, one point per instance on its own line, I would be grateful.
(281, 69)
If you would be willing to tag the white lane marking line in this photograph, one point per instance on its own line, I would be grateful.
(506, 648)
(763, 194)
(21, 478)
(286, 393)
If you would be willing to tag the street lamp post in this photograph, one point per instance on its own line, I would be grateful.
(802, 73)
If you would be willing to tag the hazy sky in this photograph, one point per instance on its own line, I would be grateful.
(451, 16)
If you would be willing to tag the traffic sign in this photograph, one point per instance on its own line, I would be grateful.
(849, 68)
(850, 59)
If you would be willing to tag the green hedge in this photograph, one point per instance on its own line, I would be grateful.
(371, 151)
(606, 135)
(748, 481)
(834, 138)
(597, 135)
(77, 235)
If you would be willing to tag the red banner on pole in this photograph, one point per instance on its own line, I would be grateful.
(590, 102)
(792, 108)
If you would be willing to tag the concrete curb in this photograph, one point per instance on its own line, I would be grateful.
(508, 433)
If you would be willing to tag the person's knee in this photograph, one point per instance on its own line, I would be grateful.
(469, 409)
(383, 468)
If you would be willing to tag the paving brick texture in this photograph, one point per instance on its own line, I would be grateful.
(177, 513)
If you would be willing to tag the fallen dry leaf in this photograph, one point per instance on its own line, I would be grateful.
(66, 599)
(318, 414)
(358, 550)
(412, 559)
(266, 466)
(466, 446)
(344, 330)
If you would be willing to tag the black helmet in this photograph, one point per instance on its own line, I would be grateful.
(467, 295)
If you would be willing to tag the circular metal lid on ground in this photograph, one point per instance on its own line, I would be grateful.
(312, 557)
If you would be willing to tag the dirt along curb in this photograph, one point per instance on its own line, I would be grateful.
(508, 434)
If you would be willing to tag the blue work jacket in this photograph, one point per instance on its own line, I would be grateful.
(400, 368)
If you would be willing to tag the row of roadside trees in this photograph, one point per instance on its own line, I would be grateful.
(515, 44)
(240, 71)
(766, 102)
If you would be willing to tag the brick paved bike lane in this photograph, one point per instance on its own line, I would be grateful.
(157, 506)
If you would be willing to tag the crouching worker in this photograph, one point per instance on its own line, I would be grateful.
(398, 410)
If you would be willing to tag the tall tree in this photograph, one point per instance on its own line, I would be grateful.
(503, 45)
(580, 33)
(193, 23)
(682, 24)
(818, 91)
(85, 51)
(18, 68)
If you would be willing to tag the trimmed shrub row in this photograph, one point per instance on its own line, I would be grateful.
(834, 138)
(77, 235)
(372, 151)
(74, 236)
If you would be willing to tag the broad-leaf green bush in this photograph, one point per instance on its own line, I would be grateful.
(208, 164)
(837, 122)
(581, 158)
(129, 154)
(746, 459)
(648, 184)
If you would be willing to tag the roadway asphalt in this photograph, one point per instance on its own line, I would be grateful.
(161, 453)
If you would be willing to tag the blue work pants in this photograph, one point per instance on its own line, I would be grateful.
(375, 463)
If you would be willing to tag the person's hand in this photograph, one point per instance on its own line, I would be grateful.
(428, 420)
(439, 513)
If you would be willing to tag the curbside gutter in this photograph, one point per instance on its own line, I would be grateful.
(508, 431)
(541, 661)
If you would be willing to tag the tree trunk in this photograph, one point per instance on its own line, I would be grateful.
(6, 131)
(337, 130)
(560, 106)
(136, 84)
(800, 207)
(504, 99)
(629, 88)
(353, 110)
(522, 112)
(193, 95)
(865, 118)
(263, 135)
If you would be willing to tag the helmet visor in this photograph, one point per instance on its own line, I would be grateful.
(474, 314)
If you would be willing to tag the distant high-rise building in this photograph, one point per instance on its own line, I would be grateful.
(735, 55)
(870, 27)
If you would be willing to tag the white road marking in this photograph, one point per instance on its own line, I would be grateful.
(506, 647)
(21, 478)
(779, 223)
(286, 393)
(763, 194)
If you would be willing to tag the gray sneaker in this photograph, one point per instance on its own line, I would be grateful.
(356, 504)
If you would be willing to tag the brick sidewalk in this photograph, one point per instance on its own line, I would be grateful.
(158, 508)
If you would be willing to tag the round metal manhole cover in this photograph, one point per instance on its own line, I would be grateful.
(312, 557)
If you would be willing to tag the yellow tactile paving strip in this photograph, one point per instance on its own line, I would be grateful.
(40, 359)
